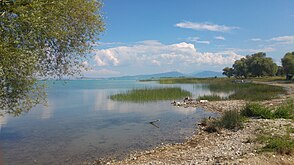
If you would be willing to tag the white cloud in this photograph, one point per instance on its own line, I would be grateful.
(149, 42)
(197, 40)
(179, 54)
(219, 38)
(99, 62)
(284, 39)
(203, 42)
(107, 57)
(205, 26)
(266, 49)
(106, 43)
(255, 39)
(155, 62)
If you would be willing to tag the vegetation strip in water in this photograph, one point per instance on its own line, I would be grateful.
(243, 90)
(151, 94)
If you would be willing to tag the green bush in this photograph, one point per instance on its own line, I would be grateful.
(286, 110)
(256, 110)
(280, 144)
(231, 120)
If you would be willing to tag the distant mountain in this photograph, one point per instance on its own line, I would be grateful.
(170, 75)
(151, 76)
(207, 74)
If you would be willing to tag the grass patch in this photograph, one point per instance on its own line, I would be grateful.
(231, 120)
(151, 94)
(241, 91)
(282, 144)
(269, 79)
(286, 110)
(256, 110)
(210, 98)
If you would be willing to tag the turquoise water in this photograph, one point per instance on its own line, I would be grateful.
(82, 124)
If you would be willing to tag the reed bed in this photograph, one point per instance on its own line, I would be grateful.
(241, 91)
(151, 94)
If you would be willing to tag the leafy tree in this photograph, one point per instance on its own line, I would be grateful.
(288, 63)
(254, 65)
(42, 38)
(280, 71)
(260, 65)
(240, 68)
(228, 72)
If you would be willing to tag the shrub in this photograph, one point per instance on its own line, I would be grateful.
(286, 110)
(256, 110)
(231, 120)
(280, 144)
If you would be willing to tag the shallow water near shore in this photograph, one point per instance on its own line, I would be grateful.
(82, 124)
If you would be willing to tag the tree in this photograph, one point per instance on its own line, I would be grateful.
(240, 68)
(228, 72)
(288, 64)
(44, 38)
(255, 65)
(280, 71)
(260, 65)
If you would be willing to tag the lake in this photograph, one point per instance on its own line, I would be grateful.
(81, 123)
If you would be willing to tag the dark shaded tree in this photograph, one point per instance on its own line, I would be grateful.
(228, 72)
(240, 68)
(280, 71)
(288, 64)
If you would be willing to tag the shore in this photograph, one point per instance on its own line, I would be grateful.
(232, 147)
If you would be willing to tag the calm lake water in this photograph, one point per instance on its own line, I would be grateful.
(81, 124)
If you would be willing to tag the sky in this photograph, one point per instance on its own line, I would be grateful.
(154, 36)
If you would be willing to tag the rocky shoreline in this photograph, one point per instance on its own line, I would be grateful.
(224, 147)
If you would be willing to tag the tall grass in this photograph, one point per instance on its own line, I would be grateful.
(151, 94)
(282, 144)
(210, 97)
(241, 91)
(286, 110)
(231, 120)
(256, 110)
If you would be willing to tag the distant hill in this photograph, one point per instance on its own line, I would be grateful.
(150, 76)
(207, 74)
(170, 75)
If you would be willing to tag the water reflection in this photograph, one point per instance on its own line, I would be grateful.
(81, 123)
(3, 121)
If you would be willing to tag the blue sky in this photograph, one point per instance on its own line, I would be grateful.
(154, 36)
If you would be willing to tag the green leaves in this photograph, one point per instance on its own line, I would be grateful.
(288, 63)
(255, 65)
(43, 38)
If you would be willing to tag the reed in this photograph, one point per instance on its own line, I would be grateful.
(151, 94)
(211, 97)
(241, 91)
